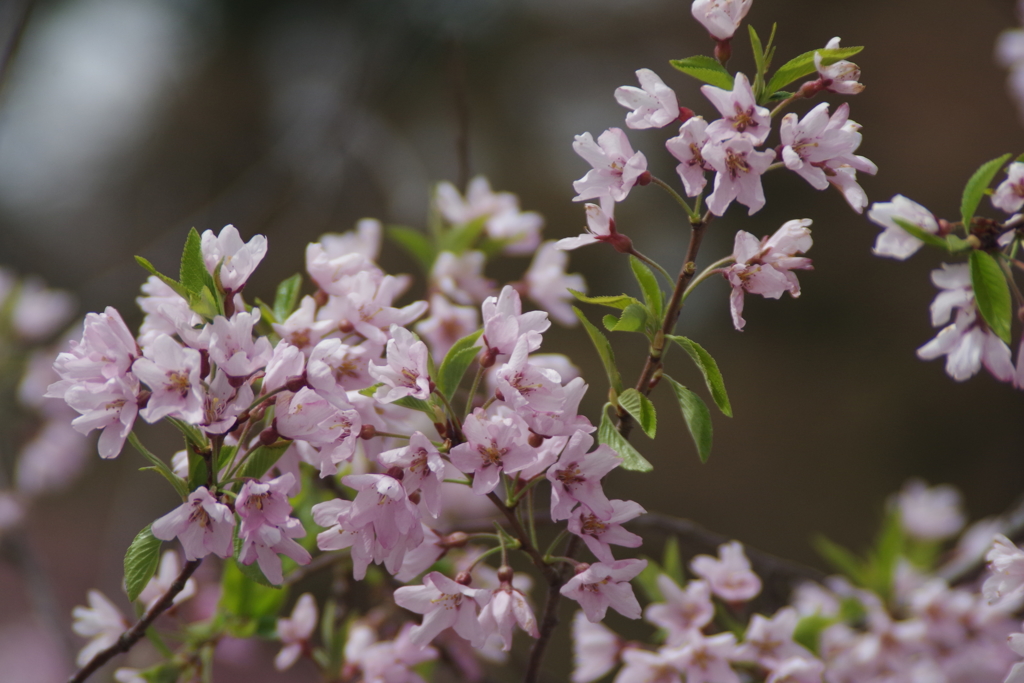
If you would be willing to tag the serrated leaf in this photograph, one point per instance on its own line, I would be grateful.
(140, 562)
(672, 561)
(620, 302)
(261, 460)
(919, 233)
(633, 319)
(803, 65)
(414, 243)
(287, 297)
(609, 435)
(697, 417)
(709, 368)
(976, 186)
(458, 359)
(991, 293)
(173, 284)
(193, 274)
(705, 69)
(840, 558)
(604, 350)
(642, 410)
(648, 285)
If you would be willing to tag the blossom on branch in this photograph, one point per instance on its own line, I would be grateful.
(839, 77)
(236, 258)
(654, 104)
(720, 17)
(602, 585)
(202, 525)
(443, 604)
(616, 167)
(739, 169)
(894, 241)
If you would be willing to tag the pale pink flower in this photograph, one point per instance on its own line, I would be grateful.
(595, 649)
(172, 373)
(507, 608)
(765, 266)
(301, 329)
(106, 351)
(366, 306)
(406, 371)
(383, 504)
(111, 407)
(720, 17)
(443, 604)
(600, 532)
(160, 584)
(548, 284)
(683, 610)
(930, 513)
(460, 277)
(525, 387)
(364, 240)
(739, 168)
(390, 661)
(840, 77)
(1006, 562)
(222, 403)
(51, 460)
(600, 228)
(165, 311)
(333, 269)
(447, 324)
(101, 621)
(770, 641)
(740, 112)
(38, 311)
(493, 445)
(335, 368)
(643, 666)
(267, 528)
(286, 362)
(423, 469)
(705, 660)
(202, 525)
(233, 348)
(505, 324)
(797, 670)
(1009, 195)
(576, 477)
(295, 631)
(729, 574)
(686, 147)
(238, 259)
(616, 167)
(503, 219)
(602, 585)
(654, 104)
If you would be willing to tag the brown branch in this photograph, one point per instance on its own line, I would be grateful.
(549, 621)
(135, 633)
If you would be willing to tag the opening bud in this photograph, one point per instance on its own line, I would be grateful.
(454, 540)
(487, 357)
(463, 578)
(269, 435)
(345, 326)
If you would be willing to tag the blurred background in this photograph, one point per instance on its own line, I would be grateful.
(123, 123)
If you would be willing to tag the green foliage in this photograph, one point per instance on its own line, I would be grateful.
(140, 562)
(992, 293)
(462, 237)
(762, 59)
(609, 435)
(923, 235)
(841, 559)
(170, 282)
(286, 300)
(808, 630)
(709, 368)
(634, 318)
(414, 243)
(167, 672)
(648, 580)
(976, 187)
(197, 286)
(705, 69)
(642, 410)
(253, 606)
(262, 459)
(621, 301)
(803, 65)
(405, 402)
(604, 350)
(160, 467)
(653, 296)
(458, 359)
(198, 470)
(697, 417)
(672, 561)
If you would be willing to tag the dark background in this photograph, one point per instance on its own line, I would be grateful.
(125, 122)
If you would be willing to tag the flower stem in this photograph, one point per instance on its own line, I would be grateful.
(653, 264)
(675, 195)
(707, 272)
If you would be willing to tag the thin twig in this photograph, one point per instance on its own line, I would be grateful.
(136, 632)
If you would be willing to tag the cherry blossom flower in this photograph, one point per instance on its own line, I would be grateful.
(111, 407)
(720, 17)
(770, 641)
(740, 112)
(335, 368)
(222, 403)
(447, 324)
(895, 241)
(765, 266)
(232, 346)
(267, 529)
(172, 372)
(165, 311)
(600, 228)
(503, 219)
(797, 670)
(930, 514)
(365, 306)
(739, 169)
(383, 503)
(406, 371)
(295, 631)
(1006, 562)
(460, 277)
(505, 324)
(729, 574)
(387, 661)
(839, 77)
(576, 477)
(301, 329)
(202, 525)
(1009, 195)
(239, 258)
(364, 240)
(101, 621)
(507, 608)
(686, 147)
(286, 363)
(616, 167)
(443, 604)
(595, 649)
(683, 610)
(705, 660)
(548, 284)
(602, 585)
(654, 104)
(598, 533)
(493, 445)
(160, 584)
(422, 467)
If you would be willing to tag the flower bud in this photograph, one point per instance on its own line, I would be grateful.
(581, 567)
(395, 473)
(463, 578)
(487, 357)
(345, 326)
(535, 440)
(269, 435)
(296, 383)
(367, 432)
(505, 573)
(457, 539)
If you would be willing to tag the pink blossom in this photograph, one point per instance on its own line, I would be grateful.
(705, 660)
(267, 529)
(202, 525)
(739, 169)
(729, 574)
(493, 445)
(222, 403)
(446, 325)
(1006, 563)
(366, 306)
(654, 104)
(895, 241)
(301, 329)
(930, 514)
(406, 371)
(503, 219)
(839, 77)
(232, 346)
(797, 670)
(576, 477)
(422, 467)
(364, 240)
(600, 532)
(101, 621)
(295, 631)
(595, 649)
(160, 584)
(286, 362)
(172, 373)
(106, 351)
(51, 460)
(38, 312)
(388, 661)
(111, 407)
(765, 266)
(616, 167)
(238, 260)
(507, 608)
(686, 147)
(720, 17)
(1009, 195)
(740, 112)
(602, 585)
(335, 368)
(548, 284)
(644, 666)
(443, 604)
(683, 610)
(600, 228)
(165, 311)
(460, 277)
(332, 265)
(505, 323)
(770, 641)
(383, 504)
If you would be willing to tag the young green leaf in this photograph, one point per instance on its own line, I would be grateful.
(415, 243)
(604, 350)
(173, 284)
(923, 235)
(808, 630)
(261, 460)
(140, 562)
(976, 186)
(160, 466)
(287, 297)
(647, 579)
(243, 597)
(609, 435)
(705, 69)
(697, 417)
(642, 410)
(840, 558)
(991, 293)
(709, 368)
(803, 65)
(193, 273)
(198, 471)
(458, 359)
(672, 561)
(755, 44)
(633, 319)
(463, 236)
(621, 301)
(648, 285)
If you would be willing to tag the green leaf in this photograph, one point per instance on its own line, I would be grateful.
(604, 350)
(808, 630)
(415, 243)
(462, 237)
(976, 186)
(709, 368)
(633, 319)
(160, 466)
(287, 297)
(251, 571)
(779, 95)
(705, 69)
(140, 562)
(803, 65)
(166, 672)
(648, 285)
(647, 579)
(415, 404)
(957, 244)
(193, 435)
(672, 561)
(173, 284)
(458, 359)
(193, 274)
(621, 301)
(759, 55)
(609, 435)
(242, 597)
(991, 293)
(262, 459)
(697, 417)
(841, 558)
(641, 408)
(923, 235)
(198, 471)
